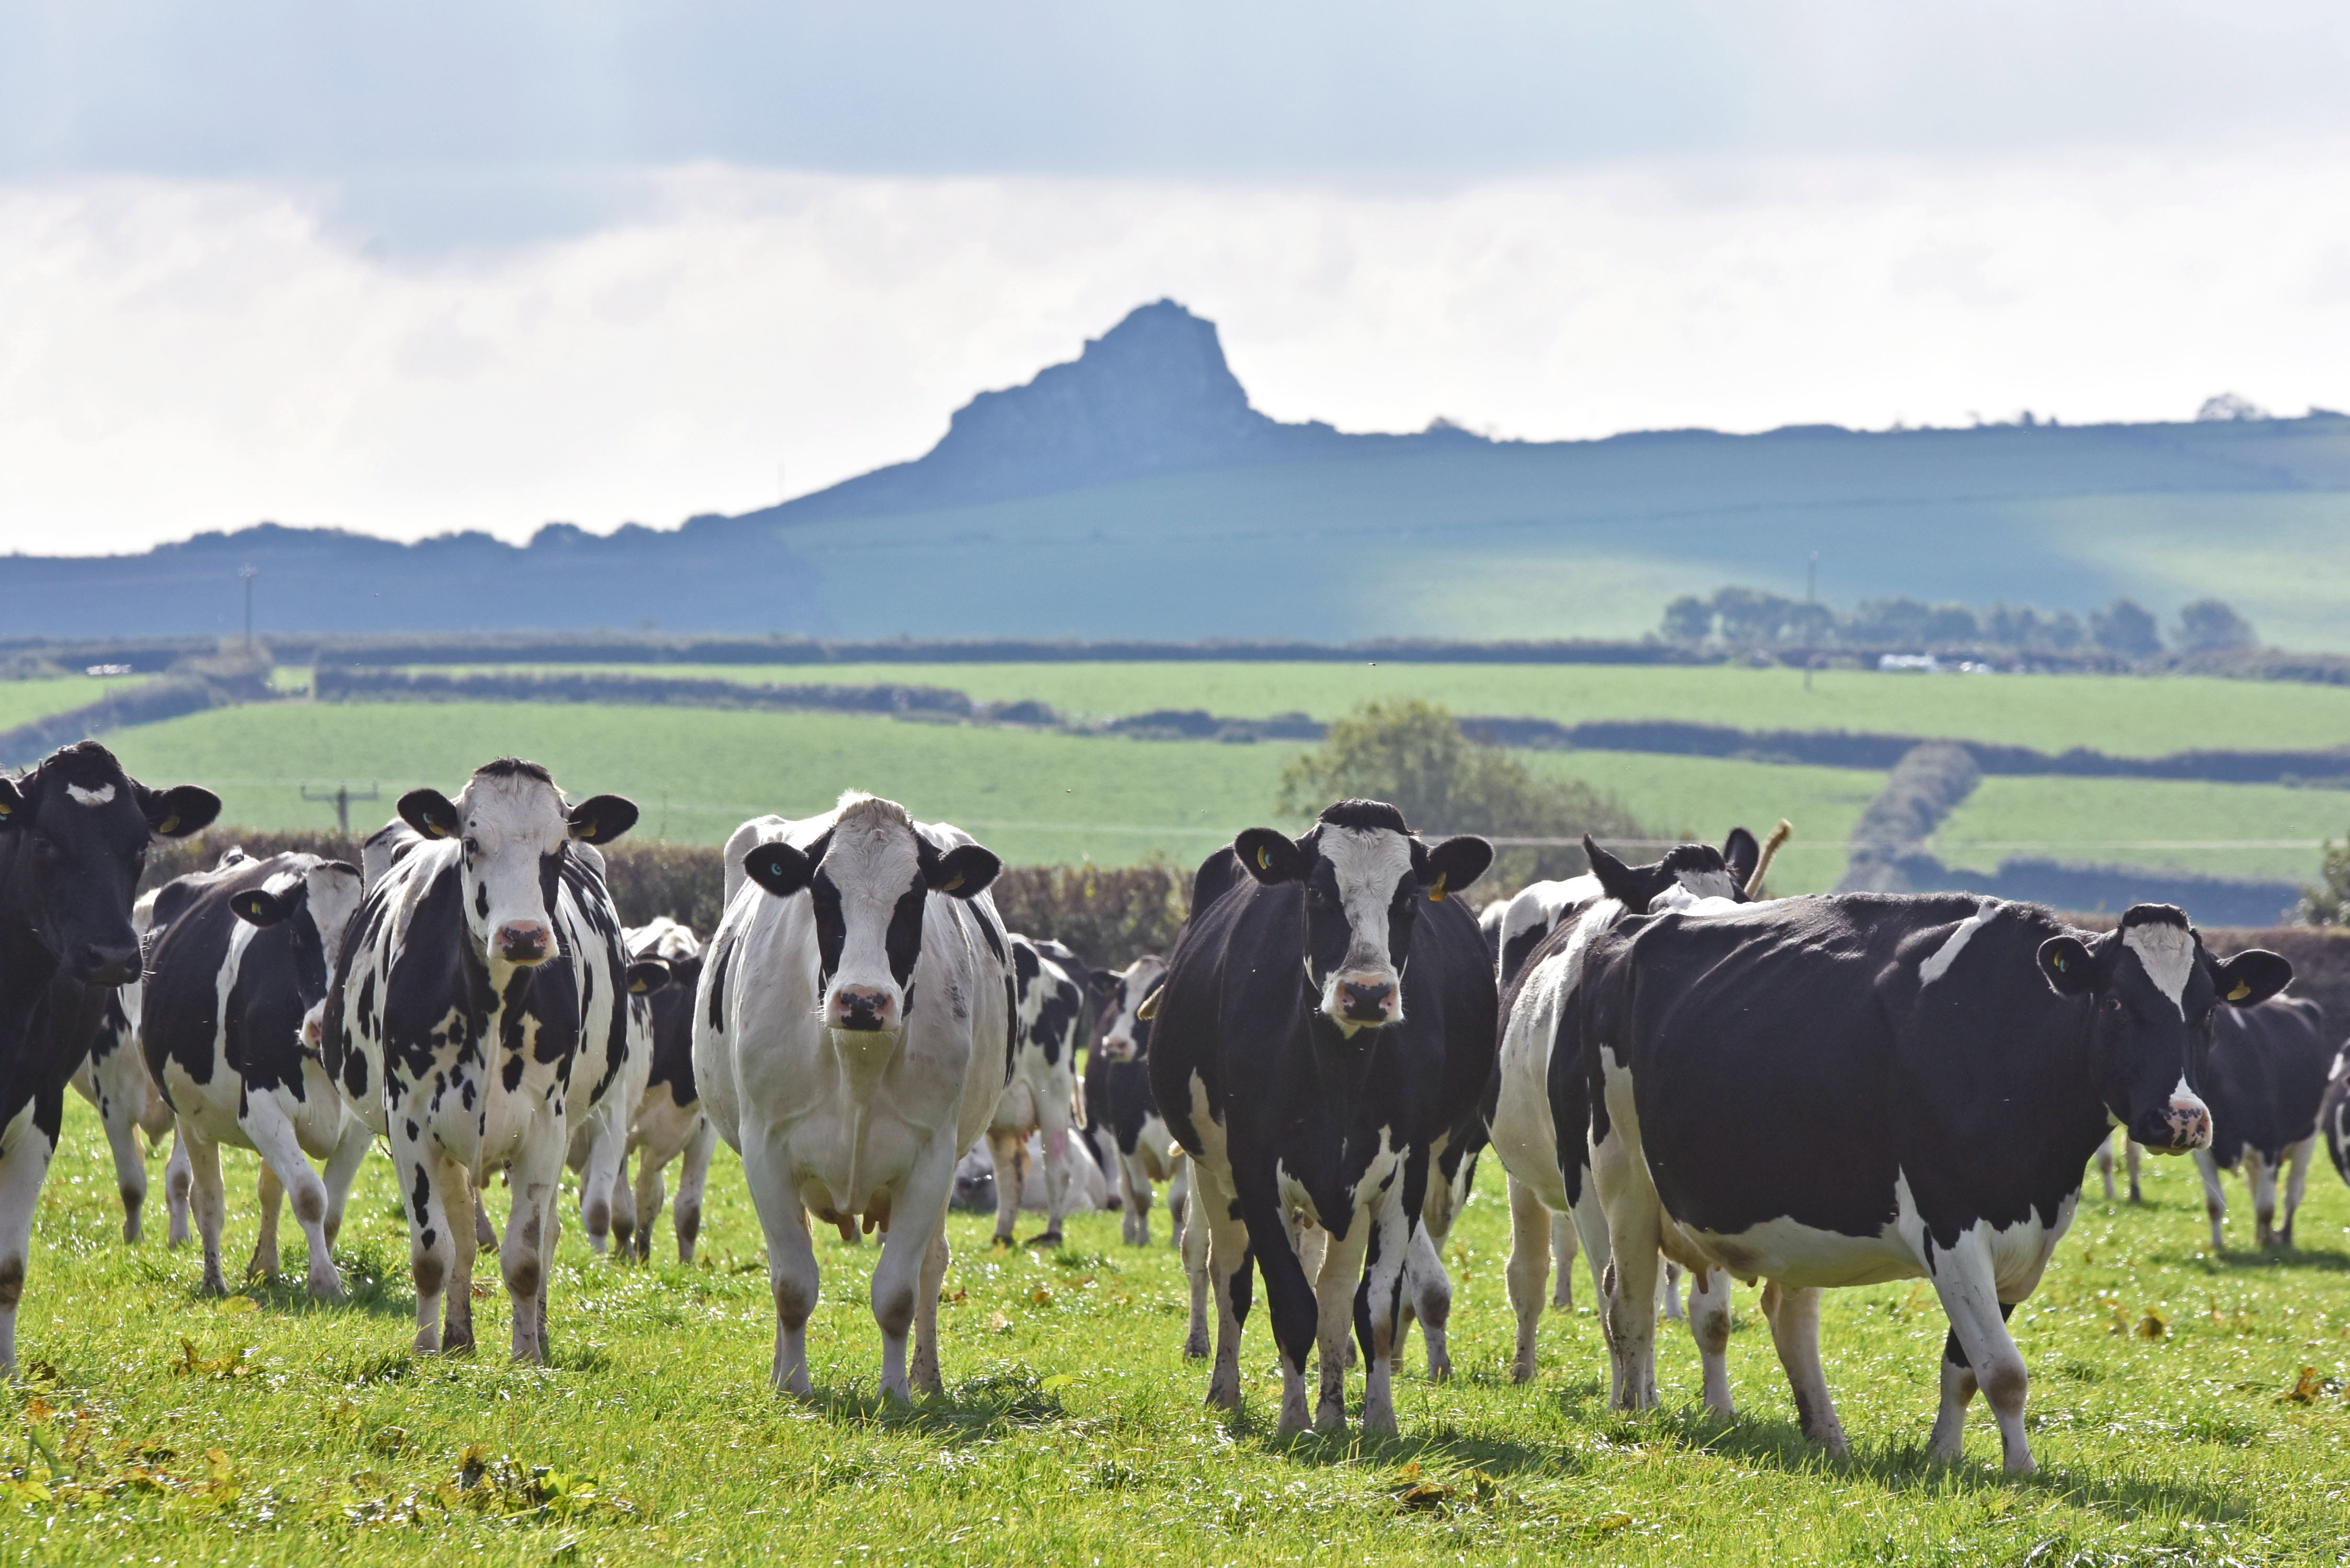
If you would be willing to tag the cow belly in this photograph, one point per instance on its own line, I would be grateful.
(1016, 1111)
(1152, 1141)
(1800, 1256)
(834, 1170)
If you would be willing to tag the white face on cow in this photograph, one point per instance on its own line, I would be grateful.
(513, 831)
(1130, 1032)
(869, 880)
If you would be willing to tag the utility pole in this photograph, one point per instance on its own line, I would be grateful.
(1811, 597)
(342, 797)
(249, 572)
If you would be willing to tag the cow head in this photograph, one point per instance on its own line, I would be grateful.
(515, 830)
(870, 877)
(1699, 870)
(2152, 991)
(313, 901)
(1127, 1037)
(1364, 874)
(74, 833)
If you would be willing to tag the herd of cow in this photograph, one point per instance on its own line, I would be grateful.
(1676, 1075)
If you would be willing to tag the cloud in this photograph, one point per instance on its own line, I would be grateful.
(178, 355)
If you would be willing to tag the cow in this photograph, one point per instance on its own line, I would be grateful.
(1119, 1103)
(1843, 1090)
(74, 837)
(2334, 1116)
(1088, 1185)
(1541, 1118)
(115, 1080)
(478, 1006)
(851, 1037)
(599, 1154)
(670, 1123)
(232, 981)
(1041, 1097)
(2266, 1075)
(1325, 1022)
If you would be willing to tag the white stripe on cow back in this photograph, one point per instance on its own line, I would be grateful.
(1937, 963)
(1523, 1132)
(2168, 954)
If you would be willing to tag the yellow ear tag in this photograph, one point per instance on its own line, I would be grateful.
(1150, 1008)
(7, 810)
(2243, 989)
(169, 822)
(1263, 858)
(2063, 962)
(1436, 894)
(585, 833)
(953, 885)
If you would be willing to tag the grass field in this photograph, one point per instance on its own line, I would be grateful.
(22, 702)
(2128, 716)
(2228, 830)
(164, 1427)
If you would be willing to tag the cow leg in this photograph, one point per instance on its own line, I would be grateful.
(791, 1259)
(1794, 1319)
(694, 1175)
(1427, 1295)
(1670, 1291)
(1059, 1177)
(527, 1254)
(2297, 1158)
(1627, 1284)
(1563, 1249)
(624, 1211)
(1339, 1269)
(119, 1116)
(1225, 1261)
(486, 1231)
(1179, 1196)
(2132, 1153)
(459, 1193)
(1709, 1322)
(1389, 1238)
(430, 1187)
(268, 1197)
(1529, 1270)
(209, 1203)
(2215, 1198)
(921, 1219)
(1004, 1152)
(266, 1123)
(23, 1167)
(607, 1144)
(343, 1169)
(1133, 1200)
(2260, 1175)
(2106, 1166)
(1964, 1279)
(1191, 1235)
(179, 1184)
(927, 1379)
(648, 1198)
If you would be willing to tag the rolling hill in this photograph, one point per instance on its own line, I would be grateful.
(1134, 492)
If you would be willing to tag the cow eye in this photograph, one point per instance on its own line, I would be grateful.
(473, 845)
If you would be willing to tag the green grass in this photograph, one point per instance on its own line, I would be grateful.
(2227, 830)
(22, 702)
(2128, 716)
(264, 1429)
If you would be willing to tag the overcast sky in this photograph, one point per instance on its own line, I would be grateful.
(417, 267)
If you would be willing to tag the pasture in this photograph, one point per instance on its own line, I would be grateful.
(2225, 830)
(2184, 1408)
(22, 702)
(2125, 715)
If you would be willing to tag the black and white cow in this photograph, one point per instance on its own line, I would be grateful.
(74, 835)
(1541, 1118)
(599, 1154)
(2265, 1078)
(2334, 1116)
(478, 1005)
(668, 1123)
(1325, 1021)
(115, 1080)
(1121, 1106)
(852, 1036)
(1838, 1091)
(1040, 1099)
(233, 978)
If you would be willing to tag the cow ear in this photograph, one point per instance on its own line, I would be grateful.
(260, 907)
(1106, 982)
(2253, 976)
(14, 808)
(1450, 866)
(1740, 854)
(179, 811)
(430, 812)
(779, 868)
(962, 872)
(601, 819)
(1271, 856)
(2066, 963)
(1618, 880)
(646, 976)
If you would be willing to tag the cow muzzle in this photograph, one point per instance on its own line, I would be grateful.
(101, 963)
(525, 942)
(2179, 1128)
(1117, 1048)
(1365, 1000)
(863, 1009)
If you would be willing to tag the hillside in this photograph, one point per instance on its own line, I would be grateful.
(1135, 492)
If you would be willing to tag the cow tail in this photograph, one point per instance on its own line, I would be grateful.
(1011, 1021)
(1077, 1099)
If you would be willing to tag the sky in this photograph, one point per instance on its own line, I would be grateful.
(411, 268)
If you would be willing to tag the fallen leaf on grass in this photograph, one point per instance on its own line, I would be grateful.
(1041, 1296)
(1610, 1523)
(2306, 1390)
(2153, 1325)
(192, 1365)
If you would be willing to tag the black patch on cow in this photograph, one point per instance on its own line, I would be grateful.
(717, 983)
(903, 941)
(422, 1199)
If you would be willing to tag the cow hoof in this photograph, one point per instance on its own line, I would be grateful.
(1378, 1421)
(1049, 1239)
(1196, 1349)
(328, 1287)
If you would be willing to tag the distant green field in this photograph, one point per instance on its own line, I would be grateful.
(2125, 715)
(22, 702)
(2223, 830)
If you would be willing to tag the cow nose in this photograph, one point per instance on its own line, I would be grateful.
(1117, 1048)
(101, 964)
(524, 941)
(2175, 1128)
(1365, 1001)
(860, 1007)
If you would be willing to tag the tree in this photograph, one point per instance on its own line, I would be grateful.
(1687, 619)
(2124, 626)
(1751, 614)
(1412, 754)
(2328, 903)
(1951, 624)
(2208, 624)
